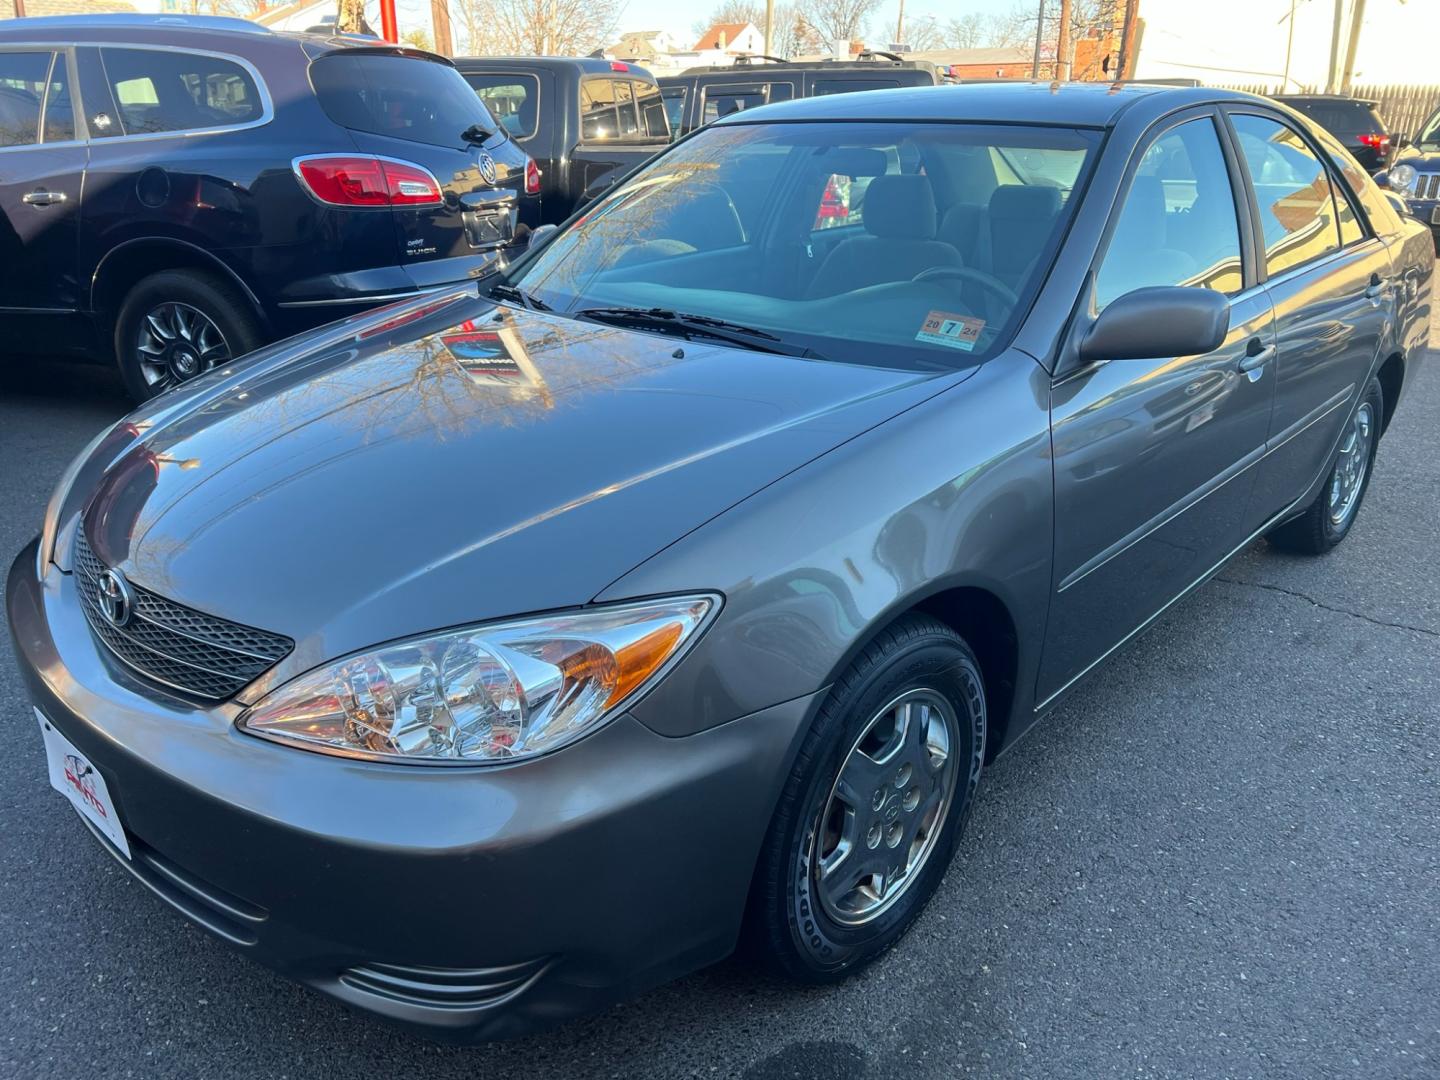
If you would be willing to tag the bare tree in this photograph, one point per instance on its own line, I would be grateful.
(537, 27)
(924, 32)
(969, 31)
(842, 19)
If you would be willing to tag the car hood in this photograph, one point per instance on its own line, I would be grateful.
(451, 462)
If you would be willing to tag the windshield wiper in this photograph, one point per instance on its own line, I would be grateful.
(503, 290)
(476, 134)
(686, 325)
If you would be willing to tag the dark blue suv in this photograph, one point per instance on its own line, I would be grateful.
(177, 191)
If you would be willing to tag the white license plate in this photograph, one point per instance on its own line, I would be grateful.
(73, 776)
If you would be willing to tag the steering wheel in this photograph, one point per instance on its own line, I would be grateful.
(975, 277)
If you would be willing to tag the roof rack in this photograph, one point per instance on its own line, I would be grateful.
(138, 21)
(871, 54)
(746, 59)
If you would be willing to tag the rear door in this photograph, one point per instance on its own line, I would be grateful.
(42, 164)
(1331, 284)
(413, 111)
(622, 124)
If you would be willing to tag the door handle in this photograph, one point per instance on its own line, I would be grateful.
(43, 198)
(1256, 356)
(1375, 288)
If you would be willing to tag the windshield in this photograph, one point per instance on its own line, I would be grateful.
(892, 244)
(1430, 133)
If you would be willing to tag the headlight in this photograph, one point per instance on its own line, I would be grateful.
(1402, 178)
(486, 694)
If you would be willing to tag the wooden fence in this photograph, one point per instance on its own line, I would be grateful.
(1403, 108)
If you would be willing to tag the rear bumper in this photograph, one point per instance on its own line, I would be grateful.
(469, 903)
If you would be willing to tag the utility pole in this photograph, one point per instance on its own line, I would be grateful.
(20, 9)
(1334, 72)
(1062, 44)
(1127, 40)
(1039, 40)
(440, 20)
(900, 24)
(1357, 16)
(769, 26)
(1289, 47)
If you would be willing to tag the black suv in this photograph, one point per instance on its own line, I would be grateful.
(193, 187)
(586, 122)
(699, 95)
(1354, 121)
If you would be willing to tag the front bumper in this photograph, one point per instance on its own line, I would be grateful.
(471, 903)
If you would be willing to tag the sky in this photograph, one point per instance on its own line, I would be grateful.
(1398, 42)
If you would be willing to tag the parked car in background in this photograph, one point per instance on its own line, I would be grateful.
(700, 95)
(584, 122)
(1415, 174)
(178, 190)
(683, 581)
(1354, 121)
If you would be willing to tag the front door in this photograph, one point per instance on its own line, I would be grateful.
(1330, 284)
(1154, 459)
(42, 164)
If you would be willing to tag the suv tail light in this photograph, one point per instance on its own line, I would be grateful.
(1376, 142)
(354, 180)
(532, 178)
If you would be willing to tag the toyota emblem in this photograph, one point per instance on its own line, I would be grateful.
(117, 599)
(488, 172)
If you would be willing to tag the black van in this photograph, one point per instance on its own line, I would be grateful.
(176, 191)
(585, 122)
(701, 94)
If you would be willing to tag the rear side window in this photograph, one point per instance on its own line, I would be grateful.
(674, 97)
(1292, 188)
(514, 101)
(403, 97)
(159, 91)
(654, 121)
(32, 85)
(724, 100)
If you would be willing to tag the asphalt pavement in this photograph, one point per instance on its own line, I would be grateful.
(1220, 858)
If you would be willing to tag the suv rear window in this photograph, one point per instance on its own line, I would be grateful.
(404, 97)
(621, 110)
(159, 90)
(1341, 117)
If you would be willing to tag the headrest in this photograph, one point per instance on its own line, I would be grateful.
(1012, 201)
(900, 207)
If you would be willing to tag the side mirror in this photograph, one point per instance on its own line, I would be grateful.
(540, 236)
(1159, 321)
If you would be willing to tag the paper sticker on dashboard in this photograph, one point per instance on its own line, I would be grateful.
(951, 330)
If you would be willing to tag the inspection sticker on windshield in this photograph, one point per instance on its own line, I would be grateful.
(951, 330)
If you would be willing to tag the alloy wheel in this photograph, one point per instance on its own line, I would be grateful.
(887, 807)
(176, 342)
(1353, 463)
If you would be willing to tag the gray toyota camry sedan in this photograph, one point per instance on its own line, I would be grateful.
(488, 658)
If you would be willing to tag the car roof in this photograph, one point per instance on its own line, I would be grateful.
(881, 67)
(183, 30)
(1325, 97)
(1095, 105)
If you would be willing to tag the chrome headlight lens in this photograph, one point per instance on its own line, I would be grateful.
(1402, 178)
(487, 694)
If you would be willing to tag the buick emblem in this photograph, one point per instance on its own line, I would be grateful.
(488, 172)
(116, 599)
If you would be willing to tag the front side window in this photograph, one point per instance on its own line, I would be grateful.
(24, 80)
(1429, 137)
(1177, 225)
(722, 227)
(513, 100)
(159, 91)
(724, 100)
(674, 98)
(1292, 188)
(403, 97)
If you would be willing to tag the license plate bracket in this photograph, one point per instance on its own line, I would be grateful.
(73, 775)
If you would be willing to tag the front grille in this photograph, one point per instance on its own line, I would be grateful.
(445, 988)
(1428, 186)
(185, 649)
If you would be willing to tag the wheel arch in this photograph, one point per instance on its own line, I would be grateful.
(1392, 380)
(128, 263)
(979, 614)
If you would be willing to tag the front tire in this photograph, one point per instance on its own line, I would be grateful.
(878, 797)
(178, 324)
(1328, 519)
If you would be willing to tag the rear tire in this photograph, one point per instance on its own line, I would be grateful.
(873, 798)
(178, 324)
(1328, 519)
